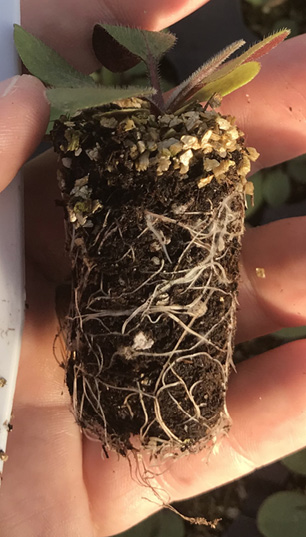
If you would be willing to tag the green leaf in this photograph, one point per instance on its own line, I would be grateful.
(192, 84)
(142, 43)
(162, 524)
(297, 461)
(46, 64)
(70, 100)
(220, 75)
(283, 515)
(276, 187)
(232, 81)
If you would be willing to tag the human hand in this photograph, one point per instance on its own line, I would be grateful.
(55, 482)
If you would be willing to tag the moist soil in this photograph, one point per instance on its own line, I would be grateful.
(154, 210)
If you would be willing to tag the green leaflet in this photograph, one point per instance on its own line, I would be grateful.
(142, 43)
(228, 83)
(46, 64)
(70, 100)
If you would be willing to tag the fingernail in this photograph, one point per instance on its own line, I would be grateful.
(6, 86)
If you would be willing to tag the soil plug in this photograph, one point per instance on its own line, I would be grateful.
(154, 192)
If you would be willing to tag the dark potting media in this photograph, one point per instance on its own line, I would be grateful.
(154, 211)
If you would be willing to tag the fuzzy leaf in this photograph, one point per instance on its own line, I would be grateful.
(212, 72)
(141, 43)
(263, 47)
(110, 53)
(253, 53)
(228, 83)
(70, 100)
(194, 82)
(46, 64)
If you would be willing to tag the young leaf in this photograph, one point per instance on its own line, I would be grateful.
(253, 53)
(110, 53)
(263, 47)
(192, 84)
(141, 43)
(185, 91)
(70, 100)
(46, 64)
(228, 83)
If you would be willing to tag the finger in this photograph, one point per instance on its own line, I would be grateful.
(44, 449)
(23, 119)
(267, 399)
(67, 26)
(271, 109)
(279, 299)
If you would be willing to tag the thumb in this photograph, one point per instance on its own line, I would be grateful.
(24, 113)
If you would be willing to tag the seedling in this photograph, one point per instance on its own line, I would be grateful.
(154, 190)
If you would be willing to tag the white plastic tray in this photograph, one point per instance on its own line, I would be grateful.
(12, 296)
